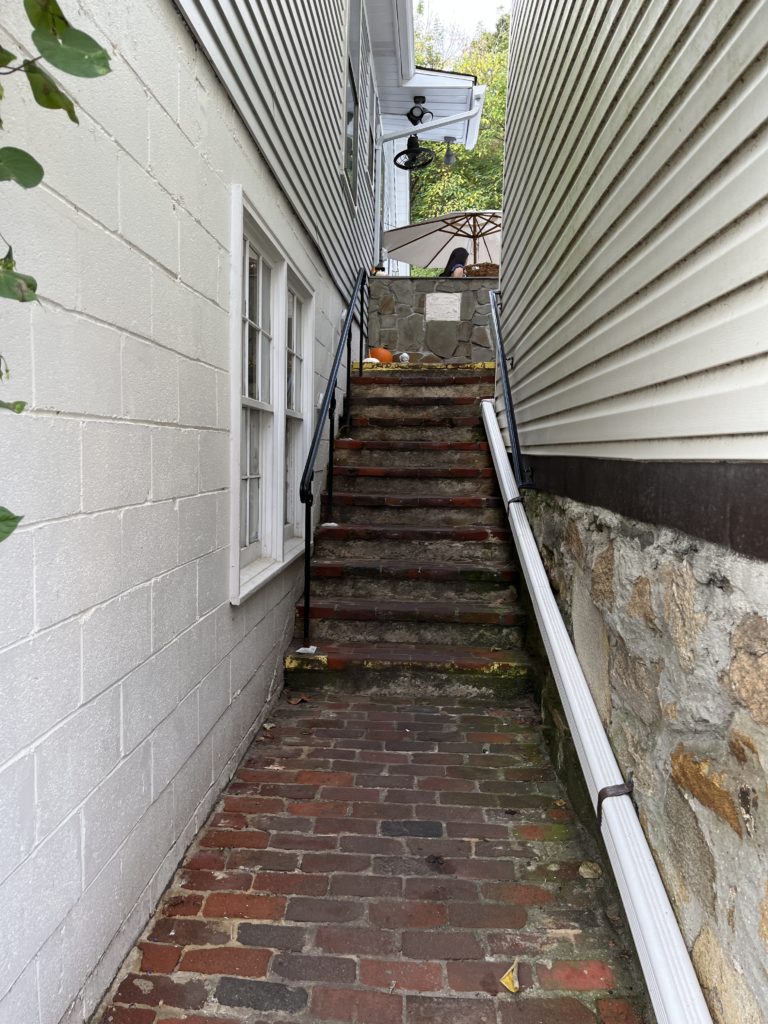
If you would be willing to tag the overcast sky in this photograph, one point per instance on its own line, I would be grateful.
(467, 15)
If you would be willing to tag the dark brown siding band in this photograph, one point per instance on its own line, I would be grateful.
(722, 502)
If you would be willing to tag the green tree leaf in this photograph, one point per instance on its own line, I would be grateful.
(47, 94)
(17, 165)
(13, 285)
(72, 51)
(8, 523)
(6, 57)
(46, 14)
(13, 406)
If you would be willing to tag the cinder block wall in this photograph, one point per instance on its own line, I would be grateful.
(129, 687)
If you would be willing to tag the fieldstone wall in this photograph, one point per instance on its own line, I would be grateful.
(672, 634)
(433, 319)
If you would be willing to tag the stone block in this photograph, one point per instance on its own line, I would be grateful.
(374, 328)
(47, 485)
(480, 338)
(88, 380)
(214, 696)
(54, 869)
(387, 305)
(212, 580)
(116, 638)
(150, 382)
(114, 807)
(199, 256)
(22, 1000)
(174, 604)
(116, 465)
(445, 308)
(467, 305)
(175, 462)
(16, 570)
(197, 526)
(174, 742)
(150, 693)
(590, 638)
(465, 331)
(115, 280)
(197, 649)
(197, 394)
(410, 333)
(147, 846)
(748, 670)
(77, 565)
(150, 539)
(442, 339)
(402, 290)
(148, 215)
(17, 807)
(192, 784)
(74, 759)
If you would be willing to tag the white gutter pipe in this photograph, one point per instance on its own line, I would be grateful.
(672, 983)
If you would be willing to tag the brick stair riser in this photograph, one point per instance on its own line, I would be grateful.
(421, 392)
(392, 430)
(369, 587)
(378, 457)
(411, 681)
(416, 550)
(384, 515)
(453, 486)
(469, 634)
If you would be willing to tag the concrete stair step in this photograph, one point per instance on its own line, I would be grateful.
(418, 376)
(401, 578)
(434, 480)
(419, 544)
(416, 509)
(414, 426)
(429, 411)
(354, 452)
(384, 618)
(413, 669)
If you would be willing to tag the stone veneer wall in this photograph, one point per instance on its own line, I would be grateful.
(672, 635)
(406, 314)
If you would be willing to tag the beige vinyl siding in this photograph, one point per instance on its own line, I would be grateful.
(284, 67)
(635, 247)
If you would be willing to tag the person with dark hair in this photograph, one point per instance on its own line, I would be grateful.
(455, 265)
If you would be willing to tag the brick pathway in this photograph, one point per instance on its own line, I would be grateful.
(381, 862)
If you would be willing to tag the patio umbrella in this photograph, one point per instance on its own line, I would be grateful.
(428, 243)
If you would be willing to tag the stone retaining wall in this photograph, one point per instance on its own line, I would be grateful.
(433, 319)
(672, 634)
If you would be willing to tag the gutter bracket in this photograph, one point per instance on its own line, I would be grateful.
(623, 789)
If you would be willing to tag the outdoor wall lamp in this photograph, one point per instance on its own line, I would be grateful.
(450, 157)
(418, 114)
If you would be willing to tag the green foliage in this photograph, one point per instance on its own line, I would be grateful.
(72, 51)
(8, 523)
(475, 180)
(18, 166)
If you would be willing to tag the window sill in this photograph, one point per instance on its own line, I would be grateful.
(257, 574)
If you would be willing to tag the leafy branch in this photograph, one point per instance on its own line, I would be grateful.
(74, 52)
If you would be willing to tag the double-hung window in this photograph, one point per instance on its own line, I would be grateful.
(257, 416)
(352, 96)
(270, 403)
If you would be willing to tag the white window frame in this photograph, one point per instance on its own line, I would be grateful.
(253, 566)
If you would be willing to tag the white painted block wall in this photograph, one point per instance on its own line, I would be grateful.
(129, 687)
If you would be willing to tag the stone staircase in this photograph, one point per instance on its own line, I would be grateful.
(414, 580)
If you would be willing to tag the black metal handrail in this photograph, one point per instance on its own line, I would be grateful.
(521, 477)
(328, 408)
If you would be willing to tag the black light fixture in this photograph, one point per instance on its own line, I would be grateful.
(450, 157)
(414, 156)
(418, 114)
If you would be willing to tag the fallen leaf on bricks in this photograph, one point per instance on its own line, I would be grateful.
(510, 980)
(590, 870)
(298, 698)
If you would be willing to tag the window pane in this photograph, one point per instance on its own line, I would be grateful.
(244, 443)
(252, 382)
(297, 338)
(243, 513)
(253, 510)
(350, 131)
(253, 445)
(290, 325)
(266, 349)
(252, 295)
(289, 384)
(266, 298)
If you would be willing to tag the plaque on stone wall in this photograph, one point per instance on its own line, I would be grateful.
(443, 306)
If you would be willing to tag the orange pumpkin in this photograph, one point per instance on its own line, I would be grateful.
(382, 354)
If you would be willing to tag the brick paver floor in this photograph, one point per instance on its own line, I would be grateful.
(383, 862)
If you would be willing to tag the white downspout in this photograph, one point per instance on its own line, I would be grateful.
(672, 982)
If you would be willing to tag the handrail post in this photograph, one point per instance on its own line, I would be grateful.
(329, 484)
(501, 363)
(363, 322)
(307, 559)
